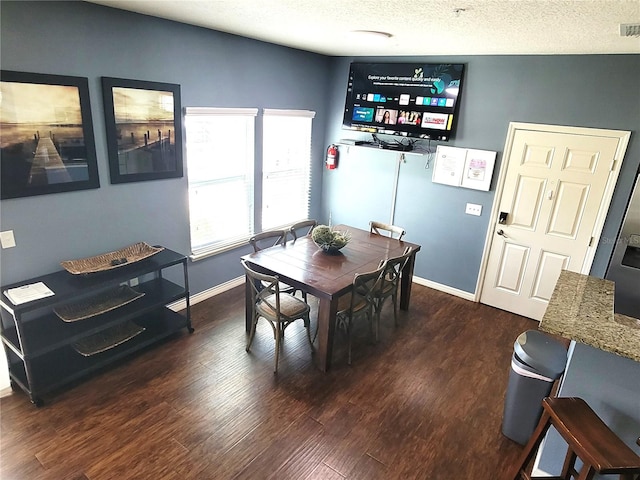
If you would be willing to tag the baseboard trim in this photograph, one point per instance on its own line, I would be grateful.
(444, 288)
(206, 294)
(236, 282)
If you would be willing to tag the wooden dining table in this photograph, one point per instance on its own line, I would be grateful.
(303, 265)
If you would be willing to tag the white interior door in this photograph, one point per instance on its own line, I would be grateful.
(556, 192)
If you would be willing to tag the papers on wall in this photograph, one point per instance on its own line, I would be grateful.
(28, 293)
(464, 167)
(449, 165)
(478, 169)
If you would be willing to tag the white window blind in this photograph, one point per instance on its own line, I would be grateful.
(286, 167)
(220, 169)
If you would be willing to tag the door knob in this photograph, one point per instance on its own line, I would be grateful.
(501, 233)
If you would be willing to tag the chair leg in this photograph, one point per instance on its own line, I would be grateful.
(253, 333)
(278, 339)
(629, 476)
(532, 446)
(568, 468)
(307, 325)
(395, 307)
(585, 474)
(375, 319)
(349, 340)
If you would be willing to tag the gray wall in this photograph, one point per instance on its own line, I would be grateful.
(216, 69)
(585, 91)
(213, 69)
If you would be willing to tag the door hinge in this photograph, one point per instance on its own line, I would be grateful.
(613, 165)
(591, 242)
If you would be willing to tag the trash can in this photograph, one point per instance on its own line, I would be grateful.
(538, 360)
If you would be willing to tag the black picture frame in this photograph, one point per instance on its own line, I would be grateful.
(47, 142)
(144, 129)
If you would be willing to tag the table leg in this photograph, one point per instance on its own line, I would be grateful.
(327, 309)
(405, 283)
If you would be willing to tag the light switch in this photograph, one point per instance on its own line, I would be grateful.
(7, 239)
(473, 209)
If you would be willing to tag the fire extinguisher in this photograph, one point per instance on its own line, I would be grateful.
(332, 157)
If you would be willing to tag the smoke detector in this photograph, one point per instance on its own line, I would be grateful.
(630, 29)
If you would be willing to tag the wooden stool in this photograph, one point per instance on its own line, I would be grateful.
(589, 439)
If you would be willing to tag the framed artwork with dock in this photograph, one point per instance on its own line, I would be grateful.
(144, 129)
(46, 135)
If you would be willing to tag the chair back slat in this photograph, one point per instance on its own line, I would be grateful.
(263, 287)
(394, 267)
(366, 285)
(386, 230)
(306, 226)
(267, 239)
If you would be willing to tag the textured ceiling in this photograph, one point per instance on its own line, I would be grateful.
(418, 27)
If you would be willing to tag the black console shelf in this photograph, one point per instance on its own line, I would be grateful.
(40, 346)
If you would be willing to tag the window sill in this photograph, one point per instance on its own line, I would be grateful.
(203, 253)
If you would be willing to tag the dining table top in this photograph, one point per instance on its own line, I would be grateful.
(302, 264)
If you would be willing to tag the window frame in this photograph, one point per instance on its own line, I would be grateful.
(257, 147)
(229, 243)
(290, 113)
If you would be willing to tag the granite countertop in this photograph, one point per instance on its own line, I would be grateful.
(581, 309)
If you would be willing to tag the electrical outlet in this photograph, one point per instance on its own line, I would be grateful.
(473, 209)
(7, 239)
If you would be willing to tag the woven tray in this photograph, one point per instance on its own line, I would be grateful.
(107, 339)
(98, 304)
(107, 261)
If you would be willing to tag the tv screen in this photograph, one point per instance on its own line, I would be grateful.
(410, 99)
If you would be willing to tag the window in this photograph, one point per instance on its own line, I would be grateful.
(220, 153)
(220, 146)
(286, 167)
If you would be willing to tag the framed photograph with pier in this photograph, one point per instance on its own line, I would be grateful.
(144, 129)
(46, 135)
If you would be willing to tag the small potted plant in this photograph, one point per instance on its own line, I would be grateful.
(328, 239)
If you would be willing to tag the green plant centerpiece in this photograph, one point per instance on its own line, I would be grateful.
(328, 239)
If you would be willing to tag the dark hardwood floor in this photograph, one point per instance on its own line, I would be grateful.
(424, 403)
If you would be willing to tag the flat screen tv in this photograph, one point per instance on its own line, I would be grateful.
(408, 99)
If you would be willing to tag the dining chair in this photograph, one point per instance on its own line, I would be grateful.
(588, 439)
(267, 239)
(359, 302)
(278, 308)
(387, 230)
(389, 286)
(306, 226)
(271, 238)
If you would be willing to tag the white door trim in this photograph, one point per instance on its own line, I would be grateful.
(623, 140)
